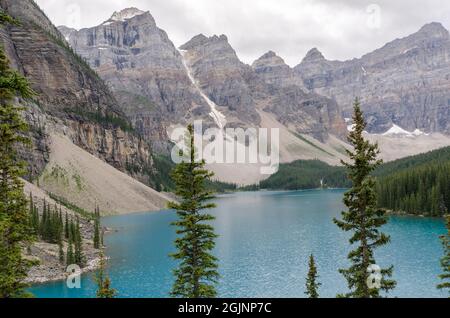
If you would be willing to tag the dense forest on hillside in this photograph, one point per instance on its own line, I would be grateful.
(420, 187)
(417, 185)
(305, 174)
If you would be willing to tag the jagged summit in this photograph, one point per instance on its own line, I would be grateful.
(433, 29)
(126, 14)
(269, 58)
(201, 39)
(268, 55)
(313, 55)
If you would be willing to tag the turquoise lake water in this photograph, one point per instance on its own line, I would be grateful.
(264, 244)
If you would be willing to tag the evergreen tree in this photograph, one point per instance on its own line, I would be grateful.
(61, 251)
(103, 282)
(97, 228)
(363, 218)
(445, 261)
(197, 272)
(312, 285)
(78, 243)
(70, 259)
(15, 230)
(66, 228)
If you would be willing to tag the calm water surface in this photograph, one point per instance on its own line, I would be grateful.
(264, 244)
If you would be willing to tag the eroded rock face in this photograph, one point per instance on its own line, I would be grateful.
(405, 82)
(68, 93)
(304, 112)
(142, 67)
(222, 76)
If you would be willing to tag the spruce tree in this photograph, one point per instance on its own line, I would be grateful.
(78, 244)
(363, 219)
(66, 228)
(70, 259)
(445, 261)
(196, 274)
(97, 228)
(61, 251)
(312, 285)
(104, 289)
(15, 230)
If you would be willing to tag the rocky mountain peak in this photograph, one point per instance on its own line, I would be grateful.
(313, 55)
(201, 40)
(433, 29)
(268, 59)
(126, 14)
(129, 14)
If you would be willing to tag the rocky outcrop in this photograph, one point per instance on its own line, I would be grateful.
(304, 112)
(159, 86)
(405, 82)
(143, 69)
(222, 76)
(69, 93)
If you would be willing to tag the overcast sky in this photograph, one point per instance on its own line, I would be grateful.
(340, 29)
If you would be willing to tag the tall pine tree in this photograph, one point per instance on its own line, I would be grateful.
(363, 219)
(15, 229)
(445, 261)
(197, 273)
(312, 285)
(104, 289)
(97, 228)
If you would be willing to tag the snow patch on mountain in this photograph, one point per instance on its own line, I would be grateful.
(126, 14)
(218, 117)
(396, 130)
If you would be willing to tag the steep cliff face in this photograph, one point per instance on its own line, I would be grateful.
(406, 82)
(158, 85)
(222, 76)
(143, 68)
(304, 112)
(69, 93)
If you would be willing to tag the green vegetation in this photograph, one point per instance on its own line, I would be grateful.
(15, 230)
(197, 273)
(416, 185)
(64, 202)
(97, 228)
(312, 285)
(160, 178)
(305, 174)
(363, 219)
(104, 289)
(50, 226)
(102, 118)
(445, 261)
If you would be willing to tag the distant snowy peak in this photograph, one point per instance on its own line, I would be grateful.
(396, 130)
(126, 14)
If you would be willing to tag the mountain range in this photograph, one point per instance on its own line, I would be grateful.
(115, 90)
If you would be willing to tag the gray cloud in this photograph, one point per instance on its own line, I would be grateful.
(339, 29)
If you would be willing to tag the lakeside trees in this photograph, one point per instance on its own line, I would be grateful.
(50, 226)
(312, 285)
(196, 274)
(97, 228)
(445, 261)
(424, 189)
(15, 231)
(363, 219)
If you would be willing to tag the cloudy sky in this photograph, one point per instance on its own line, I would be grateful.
(340, 29)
